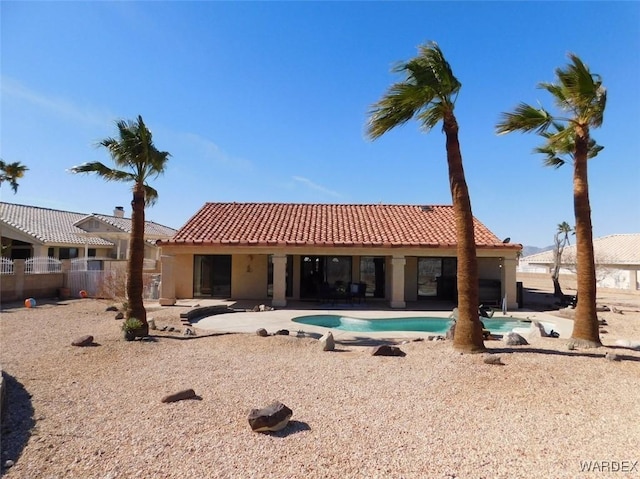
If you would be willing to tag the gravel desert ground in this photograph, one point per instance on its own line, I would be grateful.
(96, 412)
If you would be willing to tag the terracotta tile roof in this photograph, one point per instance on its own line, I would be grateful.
(620, 249)
(262, 224)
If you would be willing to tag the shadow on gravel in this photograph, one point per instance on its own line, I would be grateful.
(17, 420)
(553, 352)
(293, 427)
(365, 341)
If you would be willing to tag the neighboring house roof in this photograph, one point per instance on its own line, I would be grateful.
(151, 229)
(269, 224)
(618, 249)
(49, 226)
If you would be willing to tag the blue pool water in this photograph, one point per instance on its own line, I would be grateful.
(420, 324)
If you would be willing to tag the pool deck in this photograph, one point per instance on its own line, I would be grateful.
(278, 319)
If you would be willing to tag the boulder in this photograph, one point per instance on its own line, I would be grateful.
(612, 357)
(536, 330)
(111, 308)
(282, 332)
(451, 332)
(386, 350)
(327, 342)
(514, 339)
(152, 324)
(274, 417)
(83, 341)
(626, 343)
(120, 315)
(492, 359)
(179, 396)
(262, 332)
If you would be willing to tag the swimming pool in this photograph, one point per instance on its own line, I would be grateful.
(419, 324)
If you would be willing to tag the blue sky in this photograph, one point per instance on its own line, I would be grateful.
(268, 102)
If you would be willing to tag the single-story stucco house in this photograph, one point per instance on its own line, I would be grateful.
(617, 259)
(281, 252)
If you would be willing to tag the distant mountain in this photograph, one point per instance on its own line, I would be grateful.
(529, 250)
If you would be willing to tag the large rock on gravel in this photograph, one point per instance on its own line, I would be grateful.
(179, 396)
(514, 339)
(626, 343)
(327, 343)
(262, 332)
(386, 350)
(451, 332)
(83, 341)
(536, 330)
(493, 359)
(274, 417)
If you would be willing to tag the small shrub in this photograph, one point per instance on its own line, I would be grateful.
(131, 324)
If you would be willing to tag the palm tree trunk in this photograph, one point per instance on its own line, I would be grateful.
(555, 273)
(585, 325)
(468, 330)
(136, 258)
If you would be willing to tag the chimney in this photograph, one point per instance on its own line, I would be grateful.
(118, 212)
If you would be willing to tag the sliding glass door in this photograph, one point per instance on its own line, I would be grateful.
(212, 276)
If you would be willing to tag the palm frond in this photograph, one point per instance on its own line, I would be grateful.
(551, 158)
(583, 91)
(12, 172)
(150, 195)
(397, 106)
(560, 145)
(102, 171)
(524, 118)
(426, 91)
(431, 116)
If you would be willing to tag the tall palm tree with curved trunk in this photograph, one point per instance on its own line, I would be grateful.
(428, 93)
(580, 99)
(136, 160)
(12, 172)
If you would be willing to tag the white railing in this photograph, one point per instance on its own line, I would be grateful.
(42, 264)
(6, 266)
(91, 263)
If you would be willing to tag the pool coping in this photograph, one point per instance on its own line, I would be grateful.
(272, 321)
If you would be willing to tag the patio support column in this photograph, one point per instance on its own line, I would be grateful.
(279, 280)
(397, 282)
(508, 279)
(633, 279)
(167, 281)
(18, 273)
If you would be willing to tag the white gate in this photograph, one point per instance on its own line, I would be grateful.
(89, 274)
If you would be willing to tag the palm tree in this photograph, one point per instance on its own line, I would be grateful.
(136, 160)
(12, 172)
(561, 239)
(580, 99)
(428, 93)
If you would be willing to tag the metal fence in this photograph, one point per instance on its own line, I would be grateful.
(42, 264)
(6, 266)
